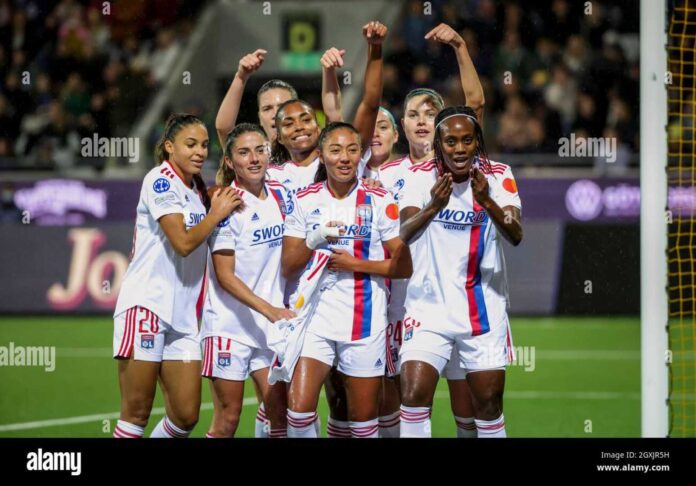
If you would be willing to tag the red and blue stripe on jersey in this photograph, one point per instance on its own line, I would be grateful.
(276, 190)
(478, 316)
(362, 305)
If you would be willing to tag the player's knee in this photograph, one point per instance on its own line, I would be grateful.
(186, 419)
(230, 418)
(299, 402)
(413, 395)
(137, 412)
(489, 406)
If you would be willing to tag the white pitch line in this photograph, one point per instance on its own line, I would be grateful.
(513, 395)
(82, 419)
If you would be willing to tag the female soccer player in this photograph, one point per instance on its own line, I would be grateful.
(246, 289)
(453, 212)
(296, 157)
(348, 324)
(156, 316)
(420, 109)
(269, 97)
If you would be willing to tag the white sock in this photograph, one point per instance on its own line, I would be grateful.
(491, 429)
(166, 429)
(415, 422)
(301, 424)
(389, 425)
(466, 427)
(365, 430)
(208, 435)
(338, 429)
(262, 425)
(317, 426)
(278, 433)
(126, 430)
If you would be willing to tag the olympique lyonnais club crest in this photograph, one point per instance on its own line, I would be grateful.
(283, 208)
(147, 341)
(224, 359)
(363, 214)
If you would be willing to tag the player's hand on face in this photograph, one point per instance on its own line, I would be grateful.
(441, 191)
(479, 186)
(274, 314)
(372, 183)
(342, 261)
(446, 35)
(374, 32)
(250, 63)
(332, 58)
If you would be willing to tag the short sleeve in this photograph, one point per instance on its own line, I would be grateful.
(388, 223)
(162, 197)
(226, 235)
(295, 221)
(504, 190)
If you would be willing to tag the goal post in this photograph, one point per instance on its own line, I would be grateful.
(653, 219)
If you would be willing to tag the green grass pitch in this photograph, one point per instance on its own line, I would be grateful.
(585, 381)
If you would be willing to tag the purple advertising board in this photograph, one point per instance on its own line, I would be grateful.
(74, 202)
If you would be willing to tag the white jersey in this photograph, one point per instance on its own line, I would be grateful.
(393, 174)
(355, 307)
(294, 176)
(255, 234)
(158, 278)
(459, 282)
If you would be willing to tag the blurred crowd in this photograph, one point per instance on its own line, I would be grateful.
(549, 68)
(72, 68)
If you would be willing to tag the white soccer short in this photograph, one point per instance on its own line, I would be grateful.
(463, 352)
(364, 358)
(231, 360)
(141, 334)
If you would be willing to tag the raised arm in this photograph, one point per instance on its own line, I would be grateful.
(229, 108)
(330, 90)
(471, 84)
(366, 115)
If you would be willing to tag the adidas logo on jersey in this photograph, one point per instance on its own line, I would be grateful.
(255, 217)
(186, 198)
(379, 362)
(315, 212)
